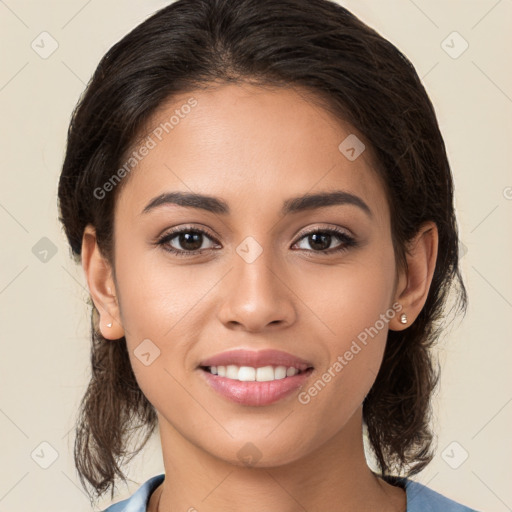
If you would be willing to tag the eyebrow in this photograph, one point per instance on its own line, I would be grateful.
(293, 205)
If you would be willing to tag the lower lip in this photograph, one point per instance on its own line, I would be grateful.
(255, 393)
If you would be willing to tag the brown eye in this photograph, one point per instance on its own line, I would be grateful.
(189, 241)
(320, 240)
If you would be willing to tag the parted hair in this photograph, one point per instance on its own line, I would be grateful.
(312, 45)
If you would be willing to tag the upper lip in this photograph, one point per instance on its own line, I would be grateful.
(256, 359)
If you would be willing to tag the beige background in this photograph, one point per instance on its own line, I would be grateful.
(44, 318)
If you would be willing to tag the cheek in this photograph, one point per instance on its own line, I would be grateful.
(355, 310)
(156, 298)
(339, 388)
(161, 306)
(350, 301)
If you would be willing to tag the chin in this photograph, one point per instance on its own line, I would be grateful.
(258, 453)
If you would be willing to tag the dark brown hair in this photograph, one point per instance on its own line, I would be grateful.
(313, 45)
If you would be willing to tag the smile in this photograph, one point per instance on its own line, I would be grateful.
(251, 374)
(251, 392)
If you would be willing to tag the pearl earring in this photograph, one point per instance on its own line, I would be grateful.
(109, 325)
(403, 318)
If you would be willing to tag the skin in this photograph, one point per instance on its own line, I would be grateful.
(243, 143)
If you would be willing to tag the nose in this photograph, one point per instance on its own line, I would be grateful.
(256, 296)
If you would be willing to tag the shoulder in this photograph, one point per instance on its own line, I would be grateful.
(137, 502)
(423, 499)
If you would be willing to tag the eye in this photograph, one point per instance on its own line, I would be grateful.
(190, 240)
(320, 240)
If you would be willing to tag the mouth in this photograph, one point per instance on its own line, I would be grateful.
(255, 378)
(252, 374)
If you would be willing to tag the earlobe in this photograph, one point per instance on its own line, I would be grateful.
(101, 285)
(414, 285)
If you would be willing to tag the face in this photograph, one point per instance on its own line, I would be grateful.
(253, 275)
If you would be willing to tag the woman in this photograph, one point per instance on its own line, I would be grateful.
(260, 197)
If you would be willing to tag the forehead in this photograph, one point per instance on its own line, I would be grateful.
(252, 146)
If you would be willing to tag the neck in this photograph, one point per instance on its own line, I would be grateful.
(334, 476)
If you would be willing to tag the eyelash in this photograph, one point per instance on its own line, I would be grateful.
(347, 241)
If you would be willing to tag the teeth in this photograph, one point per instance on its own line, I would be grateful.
(248, 373)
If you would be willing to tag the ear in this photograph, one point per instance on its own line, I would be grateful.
(414, 283)
(101, 285)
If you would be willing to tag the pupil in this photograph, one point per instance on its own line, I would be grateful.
(188, 238)
(315, 237)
